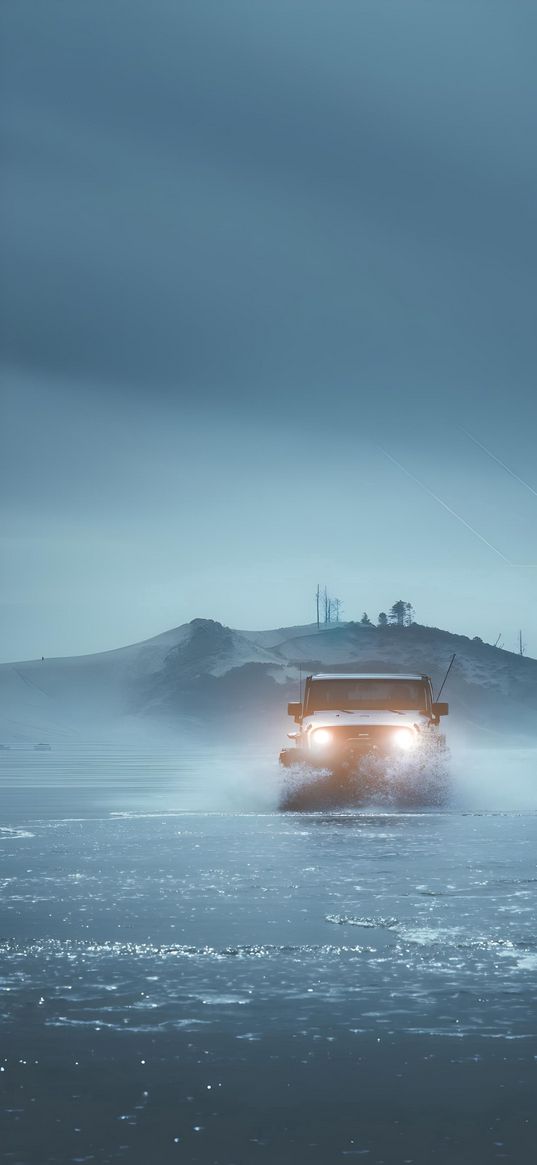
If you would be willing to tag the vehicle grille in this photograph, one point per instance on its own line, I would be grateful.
(363, 737)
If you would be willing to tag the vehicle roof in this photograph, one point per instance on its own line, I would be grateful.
(362, 675)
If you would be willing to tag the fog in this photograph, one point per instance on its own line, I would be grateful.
(502, 779)
(494, 778)
(160, 771)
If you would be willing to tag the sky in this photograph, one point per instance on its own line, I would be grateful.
(268, 315)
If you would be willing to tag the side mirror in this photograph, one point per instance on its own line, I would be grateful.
(440, 709)
(295, 710)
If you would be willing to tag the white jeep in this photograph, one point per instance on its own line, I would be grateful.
(345, 718)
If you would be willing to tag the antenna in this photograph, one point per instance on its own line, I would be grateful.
(446, 676)
(300, 683)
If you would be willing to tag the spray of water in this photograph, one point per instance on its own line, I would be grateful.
(460, 778)
(493, 778)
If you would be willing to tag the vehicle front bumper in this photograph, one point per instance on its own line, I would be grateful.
(345, 756)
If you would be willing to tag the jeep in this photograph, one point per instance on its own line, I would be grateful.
(344, 718)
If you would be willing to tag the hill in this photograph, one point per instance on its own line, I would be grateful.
(204, 680)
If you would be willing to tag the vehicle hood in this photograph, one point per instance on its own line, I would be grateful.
(363, 718)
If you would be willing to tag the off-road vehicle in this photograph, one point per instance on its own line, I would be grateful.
(346, 718)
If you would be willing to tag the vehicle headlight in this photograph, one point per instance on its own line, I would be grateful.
(405, 739)
(321, 737)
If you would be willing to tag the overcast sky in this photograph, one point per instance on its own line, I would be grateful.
(268, 315)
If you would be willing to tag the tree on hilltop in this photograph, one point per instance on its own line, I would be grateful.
(401, 614)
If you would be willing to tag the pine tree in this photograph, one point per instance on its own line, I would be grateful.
(397, 613)
(382, 619)
(365, 620)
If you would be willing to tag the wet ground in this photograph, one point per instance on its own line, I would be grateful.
(235, 984)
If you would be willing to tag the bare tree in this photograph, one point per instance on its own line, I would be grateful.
(327, 610)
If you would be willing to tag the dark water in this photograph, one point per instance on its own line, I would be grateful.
(242, 985)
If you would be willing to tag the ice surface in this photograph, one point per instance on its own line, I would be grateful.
(178, 968)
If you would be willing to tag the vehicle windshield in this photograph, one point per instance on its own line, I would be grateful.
(395, 695)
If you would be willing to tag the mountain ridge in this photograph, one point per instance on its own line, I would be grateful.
(204, 676)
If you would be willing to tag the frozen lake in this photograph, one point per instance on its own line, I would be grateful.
(189, 975)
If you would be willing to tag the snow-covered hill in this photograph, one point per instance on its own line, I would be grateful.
(204, 679)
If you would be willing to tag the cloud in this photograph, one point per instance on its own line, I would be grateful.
(242, 244)
(241, 205)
